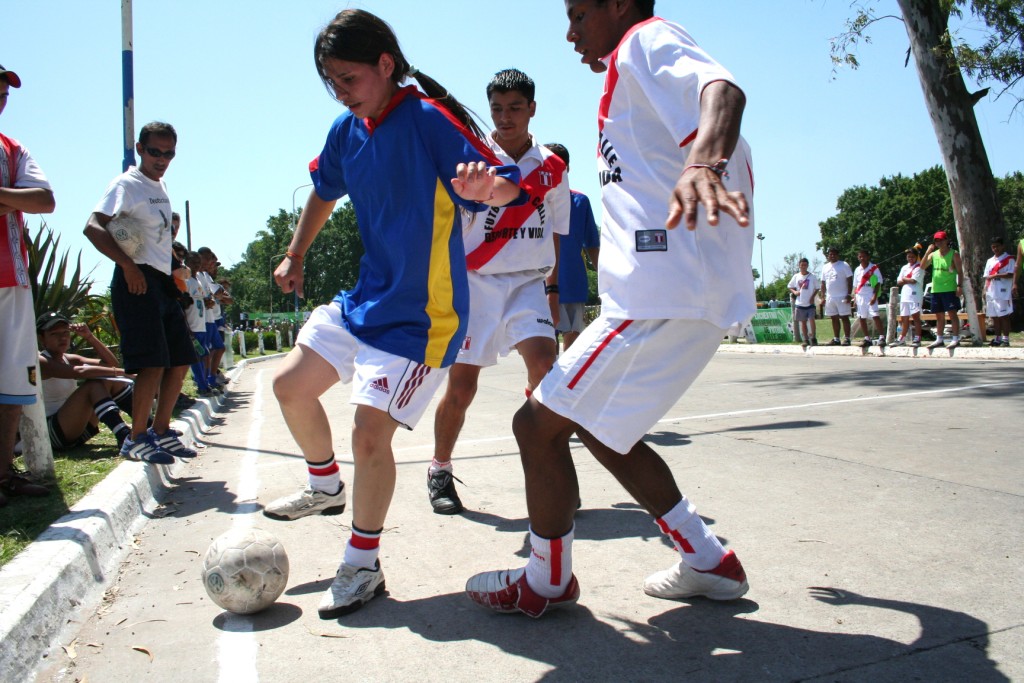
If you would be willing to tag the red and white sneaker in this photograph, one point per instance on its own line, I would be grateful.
(507, 591)
(727, 581)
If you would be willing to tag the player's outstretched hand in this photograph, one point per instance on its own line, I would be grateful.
(696, 186)
(474, 181)
(289, 276)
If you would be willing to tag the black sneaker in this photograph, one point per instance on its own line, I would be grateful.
(834, 342)
(441, 491)
(814, 341)
(846, 341)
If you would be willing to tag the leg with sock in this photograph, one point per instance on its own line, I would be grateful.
(107, 413)
(448, 420)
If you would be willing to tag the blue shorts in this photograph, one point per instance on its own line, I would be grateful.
(214, 340)
(944, 302)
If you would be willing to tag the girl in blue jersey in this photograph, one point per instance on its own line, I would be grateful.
(407, 161)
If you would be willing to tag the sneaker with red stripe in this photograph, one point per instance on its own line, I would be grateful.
(727, 581)
(507, 591)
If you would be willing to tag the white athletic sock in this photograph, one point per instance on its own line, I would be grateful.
(550, 566)
(692, 538)
(324, 476)
(363, 548)
(436, 466)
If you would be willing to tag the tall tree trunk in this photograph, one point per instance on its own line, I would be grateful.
(976, 207)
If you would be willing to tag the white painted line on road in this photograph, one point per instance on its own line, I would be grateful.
(751, 411)
(237, 648)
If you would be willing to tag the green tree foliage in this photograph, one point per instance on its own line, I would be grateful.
(1000, 57)
(331, 264)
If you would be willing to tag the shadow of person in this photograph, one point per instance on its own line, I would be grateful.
(703, 640)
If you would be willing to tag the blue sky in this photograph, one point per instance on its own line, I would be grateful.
(238, 82)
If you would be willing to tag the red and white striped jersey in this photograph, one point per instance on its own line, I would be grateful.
(17, 169)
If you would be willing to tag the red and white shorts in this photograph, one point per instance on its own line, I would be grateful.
(504, 310)
(18, 340)
(622, 376)
(400, 387)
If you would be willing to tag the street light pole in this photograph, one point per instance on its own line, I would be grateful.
(293, 232)
(760, 238)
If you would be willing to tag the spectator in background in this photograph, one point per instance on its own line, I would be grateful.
(999, 272)
(214, 340)
(803, 286)
(23, 189)
(195, 315)
(837, 288)
(911, 283)
(869, 285)
(175, 224)
(224, 299)
(947, 273)
(73, 410)
(155, 341)
(582, 241)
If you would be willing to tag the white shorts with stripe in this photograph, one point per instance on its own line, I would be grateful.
(866, 309)
(621, 376)
(997, 308)
(504, 310)
(18, 340)
(400, 387)
(909, 308)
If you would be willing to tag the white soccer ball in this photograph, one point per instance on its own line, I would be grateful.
(128, 233)
(245, 570)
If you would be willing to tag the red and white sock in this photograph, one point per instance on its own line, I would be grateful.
(324, 476)
(691, 536)
(363, 548)
(549, 568)
(437, 466)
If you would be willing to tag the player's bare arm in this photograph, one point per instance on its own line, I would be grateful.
(96, 232)
(478, 182)
(721, 112)
(288, 274)
(27, 199)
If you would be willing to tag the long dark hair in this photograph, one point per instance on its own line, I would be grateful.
(358, 36)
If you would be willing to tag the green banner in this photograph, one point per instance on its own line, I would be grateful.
(772, 325)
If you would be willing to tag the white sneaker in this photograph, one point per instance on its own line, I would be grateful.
(307, 502)
(507, 591)
(727, 581)
(353, 587)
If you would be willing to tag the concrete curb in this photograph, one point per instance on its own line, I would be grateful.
(71, 562)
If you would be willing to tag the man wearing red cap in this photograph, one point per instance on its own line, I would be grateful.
(947, 274)
(23, 189)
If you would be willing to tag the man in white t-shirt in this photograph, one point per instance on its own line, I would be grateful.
(999, 272)
(837, 289)
(23, 189)
(512, 261)
(155, 341)
(669, 123)
(803, 286)
(195, 316)
(867, 285)
(911, 284)
(214, 338)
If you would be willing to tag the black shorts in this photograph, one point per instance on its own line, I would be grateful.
(154, 333)
(60, 442)
(945, 302)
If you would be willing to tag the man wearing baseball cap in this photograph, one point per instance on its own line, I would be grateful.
(23, 189)
(947, 274)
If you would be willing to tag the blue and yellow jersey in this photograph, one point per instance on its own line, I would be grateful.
(412, 298)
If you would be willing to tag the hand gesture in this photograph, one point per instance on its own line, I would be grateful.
(289, 276)
(82, 330)
(474, 181)
(833, 596)
(698, 185)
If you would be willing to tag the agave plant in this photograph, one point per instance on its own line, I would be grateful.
(53, 288)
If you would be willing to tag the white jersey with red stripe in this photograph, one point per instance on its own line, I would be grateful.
(648, 119)
(999, 289)
(17, 169)
(912, 291)
(513, 239)
(145, 200)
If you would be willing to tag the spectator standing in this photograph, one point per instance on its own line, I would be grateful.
(195, 316)
(869, 284)
(23, 189)
(837, 289)
(73, 410)
(947, 274)
(214, 339)
(999, 271)
(155, 342)
(669, 126)
(803, 286)
(911, 283)
(582, 242)
(512, 256)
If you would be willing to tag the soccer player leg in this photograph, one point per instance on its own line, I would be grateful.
(529, 328)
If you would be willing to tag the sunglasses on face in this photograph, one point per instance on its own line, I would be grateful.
(156, 154)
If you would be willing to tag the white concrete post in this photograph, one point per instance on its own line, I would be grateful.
(277, 338)
(259, 341)
(228, 359)
(291, 336)
(241, 343)
(894, 312)
(35, 437)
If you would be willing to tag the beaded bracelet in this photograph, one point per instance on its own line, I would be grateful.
(718, 168)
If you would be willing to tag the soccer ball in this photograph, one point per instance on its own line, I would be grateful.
(128, 233)
(245, 570)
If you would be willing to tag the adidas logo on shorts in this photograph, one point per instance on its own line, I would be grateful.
(381, 385)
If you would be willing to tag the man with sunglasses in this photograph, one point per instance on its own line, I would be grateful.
(155, 341)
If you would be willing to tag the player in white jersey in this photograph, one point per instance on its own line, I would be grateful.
(803, 286)
(867, 285)
(910, 281)
(837, 290)
(999, 272)
(512, 262)
(669, 123)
